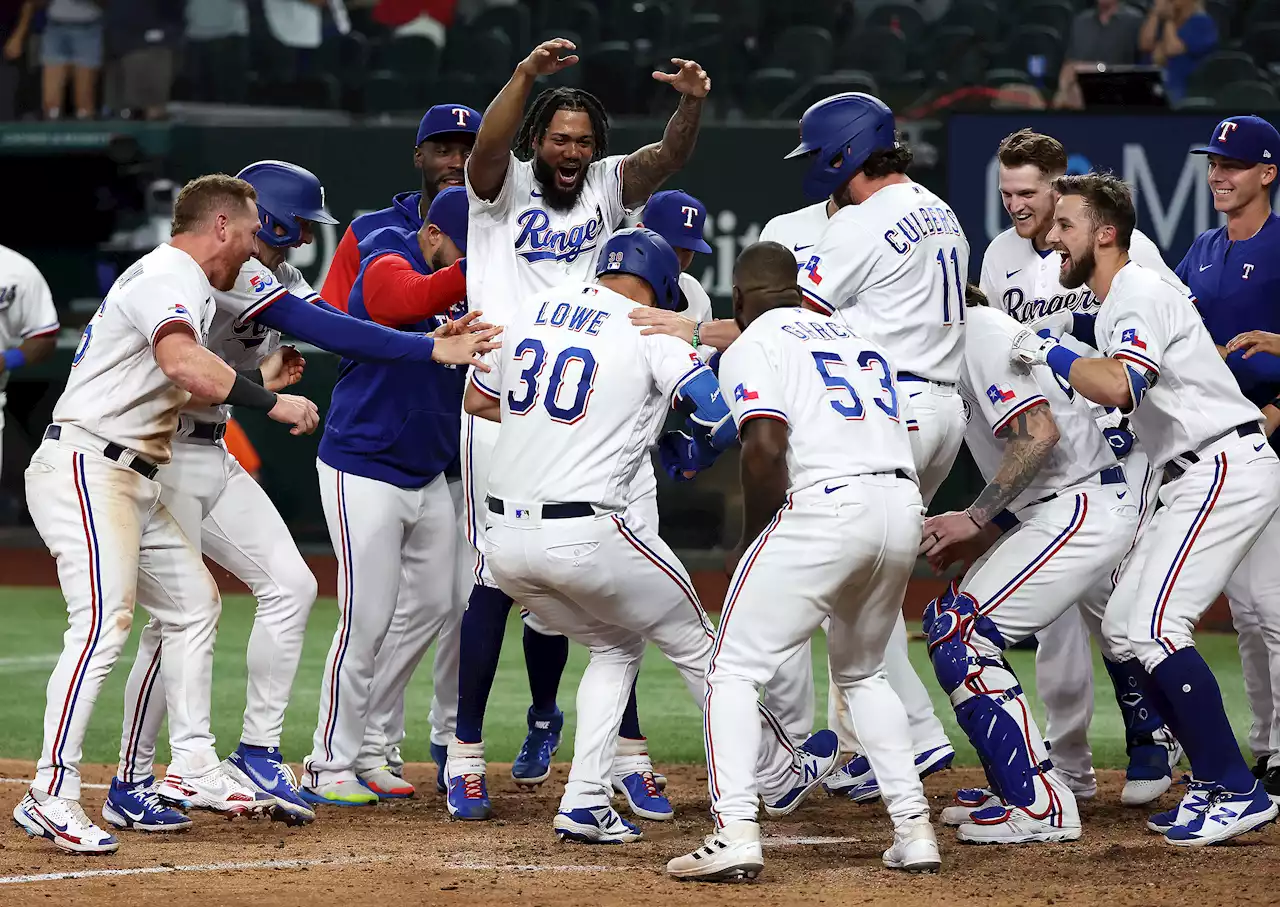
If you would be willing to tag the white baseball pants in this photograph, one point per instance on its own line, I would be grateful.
(610, 583)
(230, 518)
(1254, 594)
(392, 544)
(115, 542)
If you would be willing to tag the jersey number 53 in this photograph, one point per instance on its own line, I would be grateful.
(845, 400)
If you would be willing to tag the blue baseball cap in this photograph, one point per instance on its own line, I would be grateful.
(448, 212)
(448, 118)
(678, 218)
(1249, 138)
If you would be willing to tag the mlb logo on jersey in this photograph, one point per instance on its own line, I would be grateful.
(742, 393)
(998, 394)
(1131, 336)
(260, 283)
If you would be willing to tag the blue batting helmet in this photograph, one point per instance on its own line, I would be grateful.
(287, 193)
(841, 132)
(646, 255)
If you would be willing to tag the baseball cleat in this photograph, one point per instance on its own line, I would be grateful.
(594, 825)
(968, 801)
(1225, 815)
(1150, 770)
(341, 792)
(386, 784)
(857, 781)
(468, 796)
(262, 769)
(815, 760)
(533, 763)
(1003, 823)
(1082, 788)
(395, 761)
(64, 823)
(137, 806)
(730, 855)
(915, 847)
(439, 755)
(216, 790)
(1193, 802)
(1271, 784)
(633, 778)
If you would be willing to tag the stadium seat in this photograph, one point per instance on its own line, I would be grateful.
(412, 57)
(212, 69)
(1028, 41)
(513, 21)
(611, 72)
(1224, 15)
(1262, 12)
(1221, 68)
(1253, 96)
(580, 18)
(903, 18)
(879, 51)
(807, 49)
(1006, 76)
(642, 21)
(1262, 42)
(462, 88)
(983, 16)
(825, 86)
(956, 53)
(488, 54)
(767, 89)
(1195, 103)
(1055, 14)
(391, 92)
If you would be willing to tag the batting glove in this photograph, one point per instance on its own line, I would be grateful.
(1121, 441)
(1030, 348)
(683, 456)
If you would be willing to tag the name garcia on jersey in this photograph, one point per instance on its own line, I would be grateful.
(923, 222)
(538, 242)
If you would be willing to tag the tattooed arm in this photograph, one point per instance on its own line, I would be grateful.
(1029, 439)
(649, 167)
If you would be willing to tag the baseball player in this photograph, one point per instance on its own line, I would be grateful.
(231, 519)
(28, 321)
(1233, 282)
(445, 136)
(829, 493)
(93, 496)
(1067, 516)
(391, 431)
(561, 536)
(892, 263)
(1020, 276)
(536, 222)
(1221, 486)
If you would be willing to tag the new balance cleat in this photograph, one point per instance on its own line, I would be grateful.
(1194, 800)
(594, 825)
(732, 854)
(468, 796)
(1225, 815)
(815, 760)
(216, 790)
(915, 847)
(1003, 823)
(857, 781)
(387, 785)
(64, 823)
(139, 807)
(262, 769)
(533, 763)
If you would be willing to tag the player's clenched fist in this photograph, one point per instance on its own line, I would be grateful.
(689, 78)
(549, 57)
(464, 340)
(299, 412)
(282, 369)
(1255, 342)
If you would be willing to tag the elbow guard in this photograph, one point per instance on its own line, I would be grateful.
(698, 396)
(1138, 386)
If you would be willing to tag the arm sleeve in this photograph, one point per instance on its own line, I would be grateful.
(497, 209)
(349, 337)
(1001, 393)
(156, 302)
(342, 271)
(395, 294)
(750, 384)
(840, 263)
(35, 311)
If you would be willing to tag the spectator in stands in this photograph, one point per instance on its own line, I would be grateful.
(71, 46)
(300, 23)
(417, 18)
(15, 30)
(1178, 34)
(1107, 34)
(141, 36)
(209, 20)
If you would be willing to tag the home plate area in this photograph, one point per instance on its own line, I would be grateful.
(828, 852)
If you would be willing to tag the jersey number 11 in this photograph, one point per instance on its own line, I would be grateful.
(948, 317)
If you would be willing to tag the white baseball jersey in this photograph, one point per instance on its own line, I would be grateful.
(240, 342)
(584, 396)
(799, 230)
(1148, 324)
(835, 391)
(26, 305)
(116, 389)
(1024, 282)
(519, 245)
(894, 267)
(997, 393)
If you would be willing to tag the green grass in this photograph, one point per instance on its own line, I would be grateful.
(36, 618)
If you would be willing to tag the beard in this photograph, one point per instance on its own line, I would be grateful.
(1079, 271)
(555, 197)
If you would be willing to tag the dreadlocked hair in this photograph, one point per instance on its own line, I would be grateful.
(545, 105)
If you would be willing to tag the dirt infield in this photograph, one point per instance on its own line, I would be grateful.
(828, 852)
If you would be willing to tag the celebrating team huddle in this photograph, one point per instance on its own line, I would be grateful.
(511, 352)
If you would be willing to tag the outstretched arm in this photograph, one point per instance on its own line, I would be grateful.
(649, 167)
(491, 154)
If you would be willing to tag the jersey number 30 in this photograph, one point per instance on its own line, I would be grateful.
(533, 355)
(852, 409)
